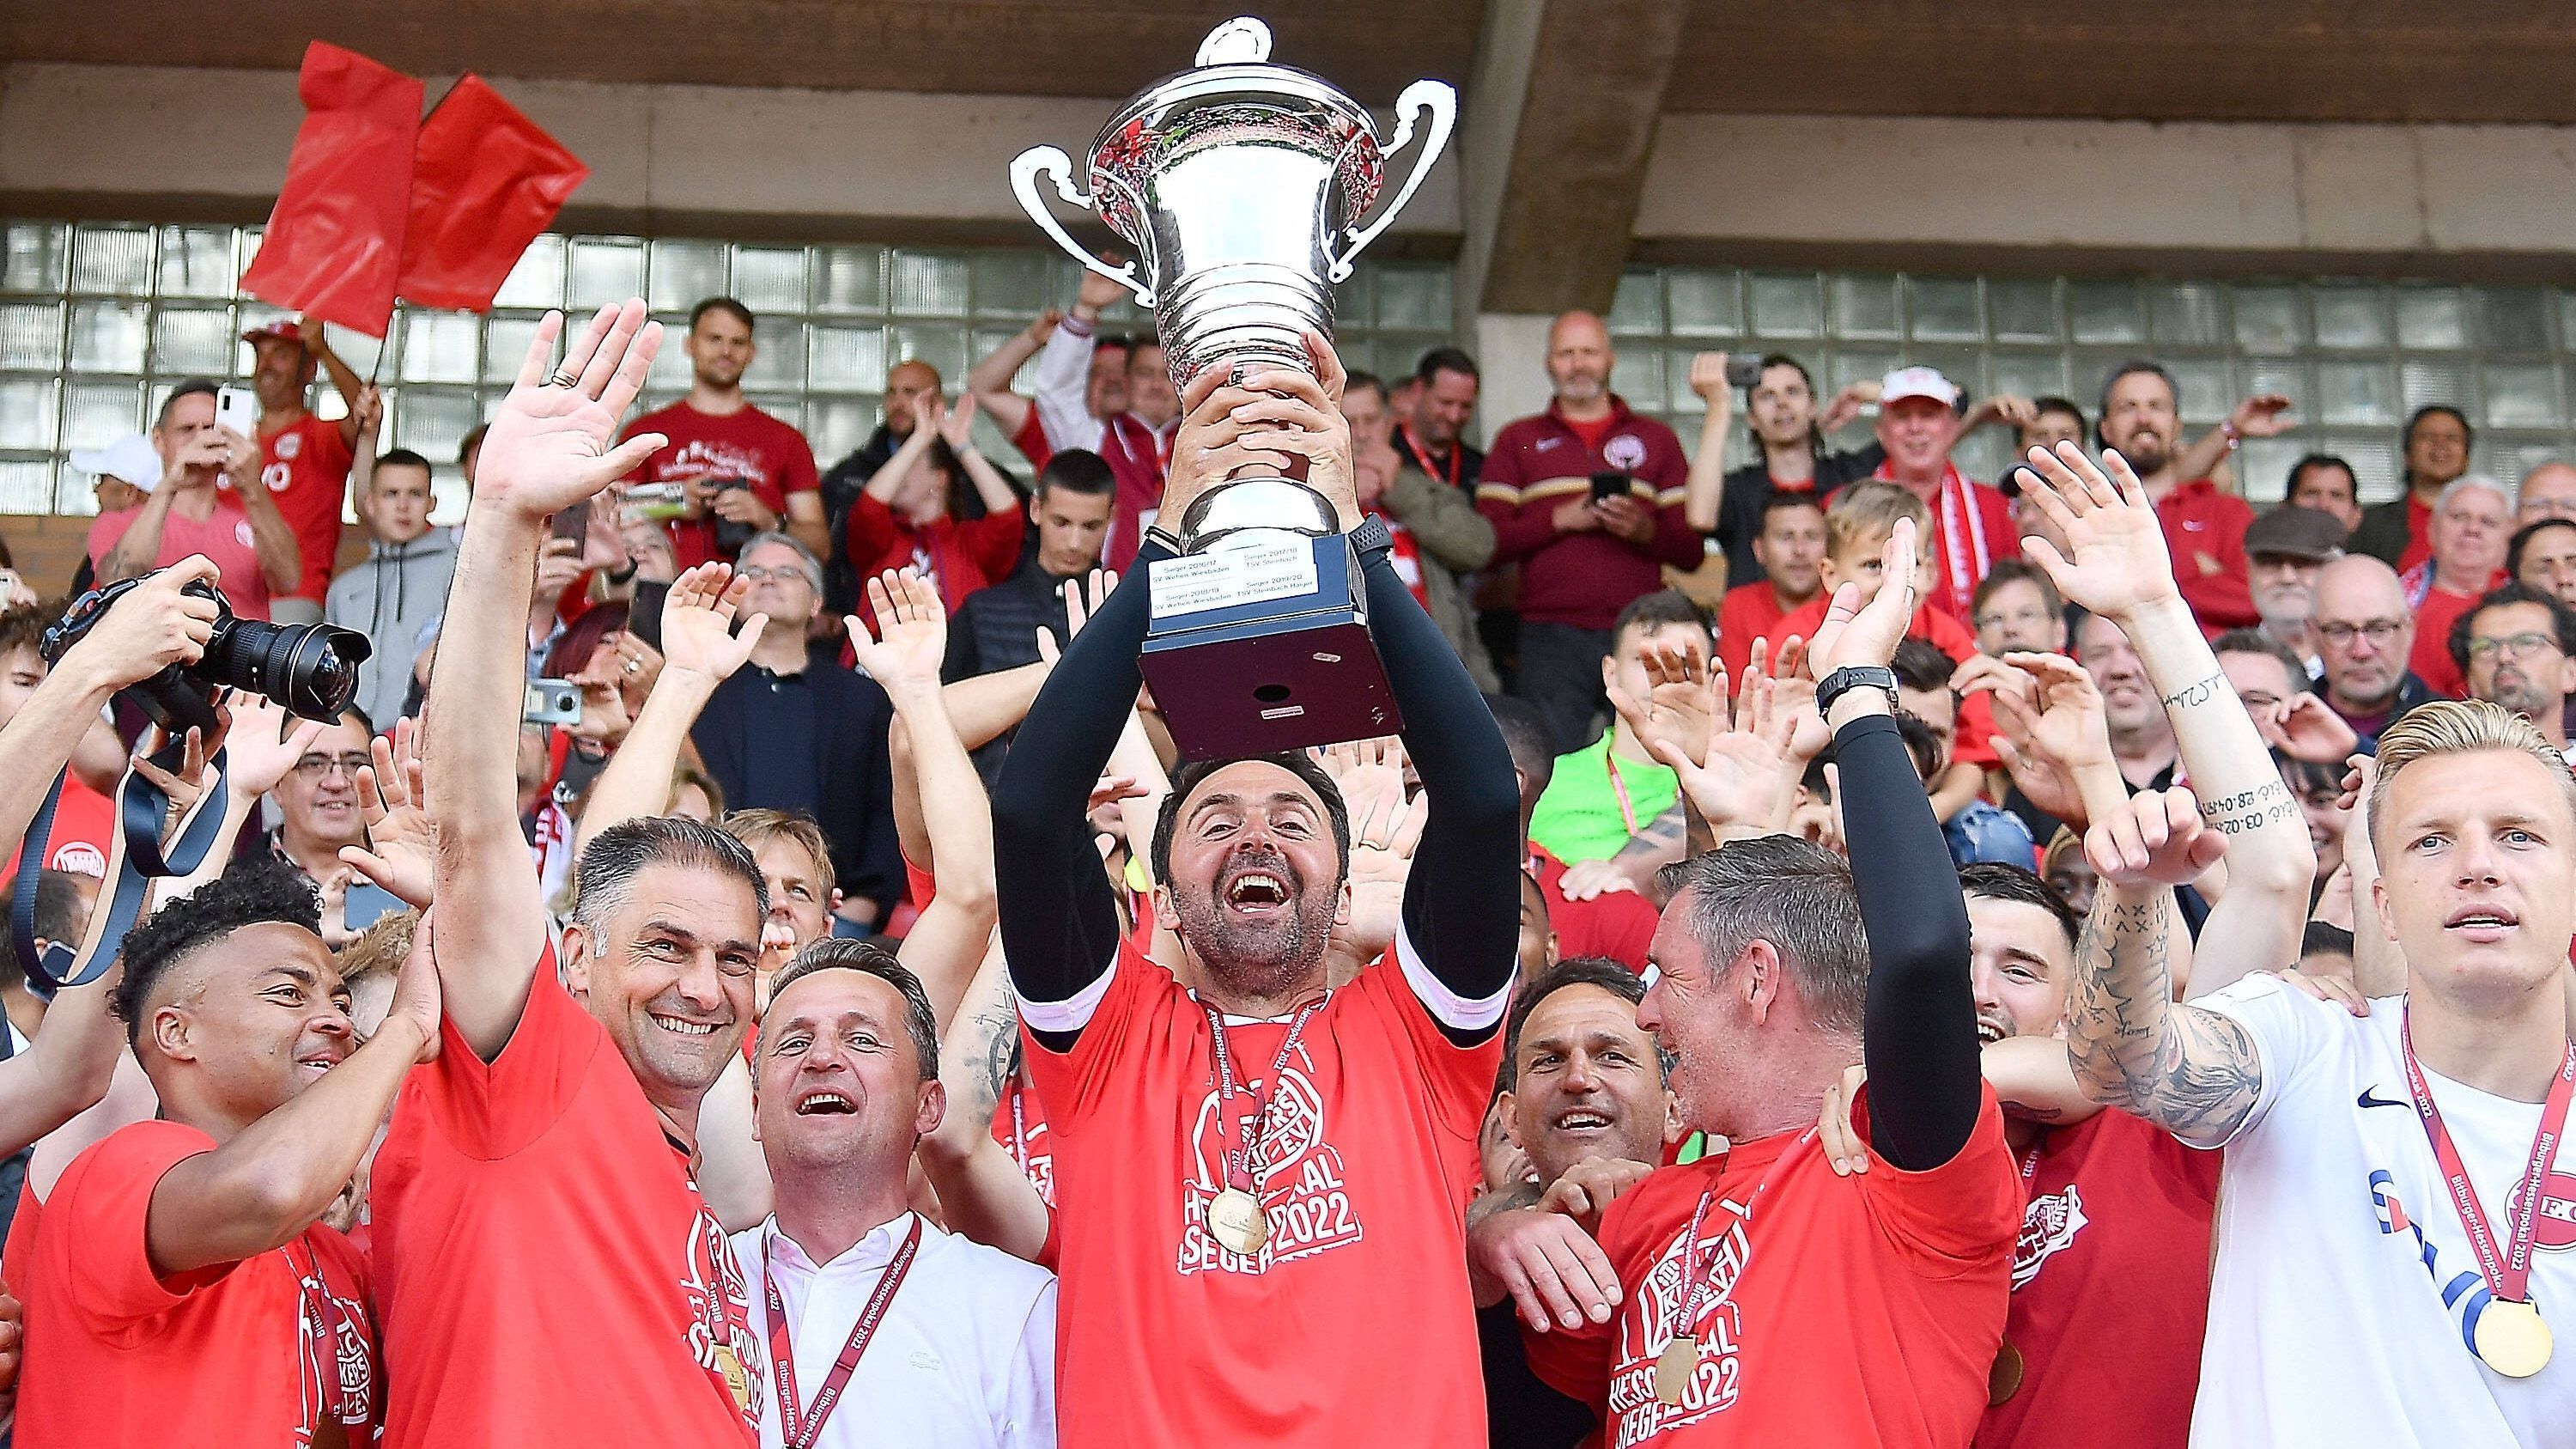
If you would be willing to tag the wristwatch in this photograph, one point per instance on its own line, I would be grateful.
(1372, 540)
(1855, 676)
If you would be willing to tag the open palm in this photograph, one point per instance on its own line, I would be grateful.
(400, 837)
(911, 636)
(2118, 561)
(548, 447)
(698, 633)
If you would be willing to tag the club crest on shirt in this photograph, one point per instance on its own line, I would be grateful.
(277, 476)
(1304, 1199)
(2049, 1223)
(288, 445)
(241, 533)
(1626, 452)
(1646, 1328)
(337, 1365)
(719, 1306)
(2554, 1226)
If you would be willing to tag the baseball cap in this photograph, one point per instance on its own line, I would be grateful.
(131, 458)
(278, 331)
(2290, 531)
(1928, 382)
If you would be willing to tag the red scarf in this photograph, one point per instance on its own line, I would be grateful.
(1964, 557)
(1407, 558)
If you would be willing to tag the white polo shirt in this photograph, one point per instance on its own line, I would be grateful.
(2342, 1300)
(965, 1357)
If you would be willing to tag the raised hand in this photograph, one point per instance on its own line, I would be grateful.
(698, 633)
(1748, 777)
(2120, 564)
(2307, 729)
(549, 445)
(2050, 730)
(262, 742)
(1864, 630)
(2154, 839)
(1082, 599)
(957, 428)
(2264, 415)
(1685, 705)
(911, 636)
(149, 628)
(393, 802)
(1097, 292)
(1708, 374)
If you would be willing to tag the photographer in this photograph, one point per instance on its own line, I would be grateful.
(192, 513)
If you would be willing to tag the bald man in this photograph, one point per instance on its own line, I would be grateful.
(2548, 491)
(2365, 633)
(1587, 498)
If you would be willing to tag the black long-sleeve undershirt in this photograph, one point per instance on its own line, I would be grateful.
(1919, 1020)
(1059, 923)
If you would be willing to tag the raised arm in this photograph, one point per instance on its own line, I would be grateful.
(344, 378)
(702, 647)
(1704, 492)
(982, 1189)
(989, 381)
(927, 414)
(957, 429)
(2191, 1071)
(1919, 1019)
(903, 656)
(272, 538)
(1060, 386)
(2262, 415)
(263, 1187)
(2119, 569)
(548, 448)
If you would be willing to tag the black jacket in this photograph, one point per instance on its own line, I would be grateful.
(2382, 534)
(851, 717)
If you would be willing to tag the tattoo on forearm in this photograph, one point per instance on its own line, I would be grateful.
(2269, 803)
(995, 1049)
(2189, 1071)
(1661, 839)
(1502, 1200)
(2197, 693)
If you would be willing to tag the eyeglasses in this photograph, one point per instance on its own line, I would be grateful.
(2259, 703)
(763, 574)
(319, 766)
(2520, 646)
(2380, 632)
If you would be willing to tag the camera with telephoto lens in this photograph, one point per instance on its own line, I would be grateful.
(310, 669)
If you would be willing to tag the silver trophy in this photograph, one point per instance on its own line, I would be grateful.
(1242, 185)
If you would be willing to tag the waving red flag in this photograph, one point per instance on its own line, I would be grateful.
(334, 243)
(487, 181)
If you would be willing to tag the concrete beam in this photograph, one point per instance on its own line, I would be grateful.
(1562, 120)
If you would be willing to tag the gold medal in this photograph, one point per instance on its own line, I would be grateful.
(2004, 1379)
(2512, 1339)
(1235, 1220)
(729, 1364)
(1674, 1368)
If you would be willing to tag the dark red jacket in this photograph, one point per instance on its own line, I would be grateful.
(1584, 579)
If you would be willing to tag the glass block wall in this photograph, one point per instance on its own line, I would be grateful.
(96, 320)
(2355, 357)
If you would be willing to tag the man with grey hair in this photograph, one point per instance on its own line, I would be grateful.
(2471, 525)
(797, 730)
(852, 1289)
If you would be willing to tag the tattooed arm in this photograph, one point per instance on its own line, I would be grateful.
(983, 1192)
(2191, 1071)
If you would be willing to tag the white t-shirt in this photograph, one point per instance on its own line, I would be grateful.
(2342, 1300)
(964, 1358)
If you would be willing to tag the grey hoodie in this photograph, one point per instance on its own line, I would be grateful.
(395, 597)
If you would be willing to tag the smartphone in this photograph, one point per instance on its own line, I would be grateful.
(364, 902)
(1606, 486)
(552, 702)
(574, 522)
(237, 408)
(1743, 372)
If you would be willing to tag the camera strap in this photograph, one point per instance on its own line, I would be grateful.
(135, 860)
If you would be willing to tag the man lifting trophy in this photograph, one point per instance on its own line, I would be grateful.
(1241, 185)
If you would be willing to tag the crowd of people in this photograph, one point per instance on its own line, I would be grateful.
(1841, 952)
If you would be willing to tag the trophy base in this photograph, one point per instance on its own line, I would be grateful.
(1263, 647)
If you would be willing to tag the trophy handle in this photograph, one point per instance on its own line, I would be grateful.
(1440, 102)
(1040, 161)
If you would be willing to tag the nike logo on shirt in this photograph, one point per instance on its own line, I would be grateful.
(2367, 1100)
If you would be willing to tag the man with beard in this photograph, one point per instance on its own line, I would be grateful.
(549, 1271)
(1587, 498)
(2543, 555)
(1262, 1182)
(181, 1288)
(740, 471)
(1432, 432)
(941, 1340)
(2204, 528)
(1754, 1297)
(2517, 648)
(2365, 634)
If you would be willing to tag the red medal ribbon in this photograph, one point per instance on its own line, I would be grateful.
(2508, 1273)
(1619, 788)
(1694, 1272)
(317, 1296)
(795, 1427)
(1238, 1160)
(1422, 455)
(1019, 1132)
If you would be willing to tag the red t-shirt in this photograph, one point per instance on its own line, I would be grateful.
(254, 1352)
(1032, 442)
(762, 451)
(2431, 659)
(1355, 1324)
(84, 828)
(1860, 1310)
(306, 465)
(546, 1271)
(2110, 1289)
(2419, 528)
(2205, 535)
(1024, 1133)
(1749, 612)
(223, 536)
(960, 557)
(1616, 924)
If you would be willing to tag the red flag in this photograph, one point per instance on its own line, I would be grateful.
(487, 181)
(335, 240)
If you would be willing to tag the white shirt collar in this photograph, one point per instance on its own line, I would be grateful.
(867, 1255)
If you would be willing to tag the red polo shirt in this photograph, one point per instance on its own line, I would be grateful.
(1749, 612)
(1540, 463)
(2205, 533)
